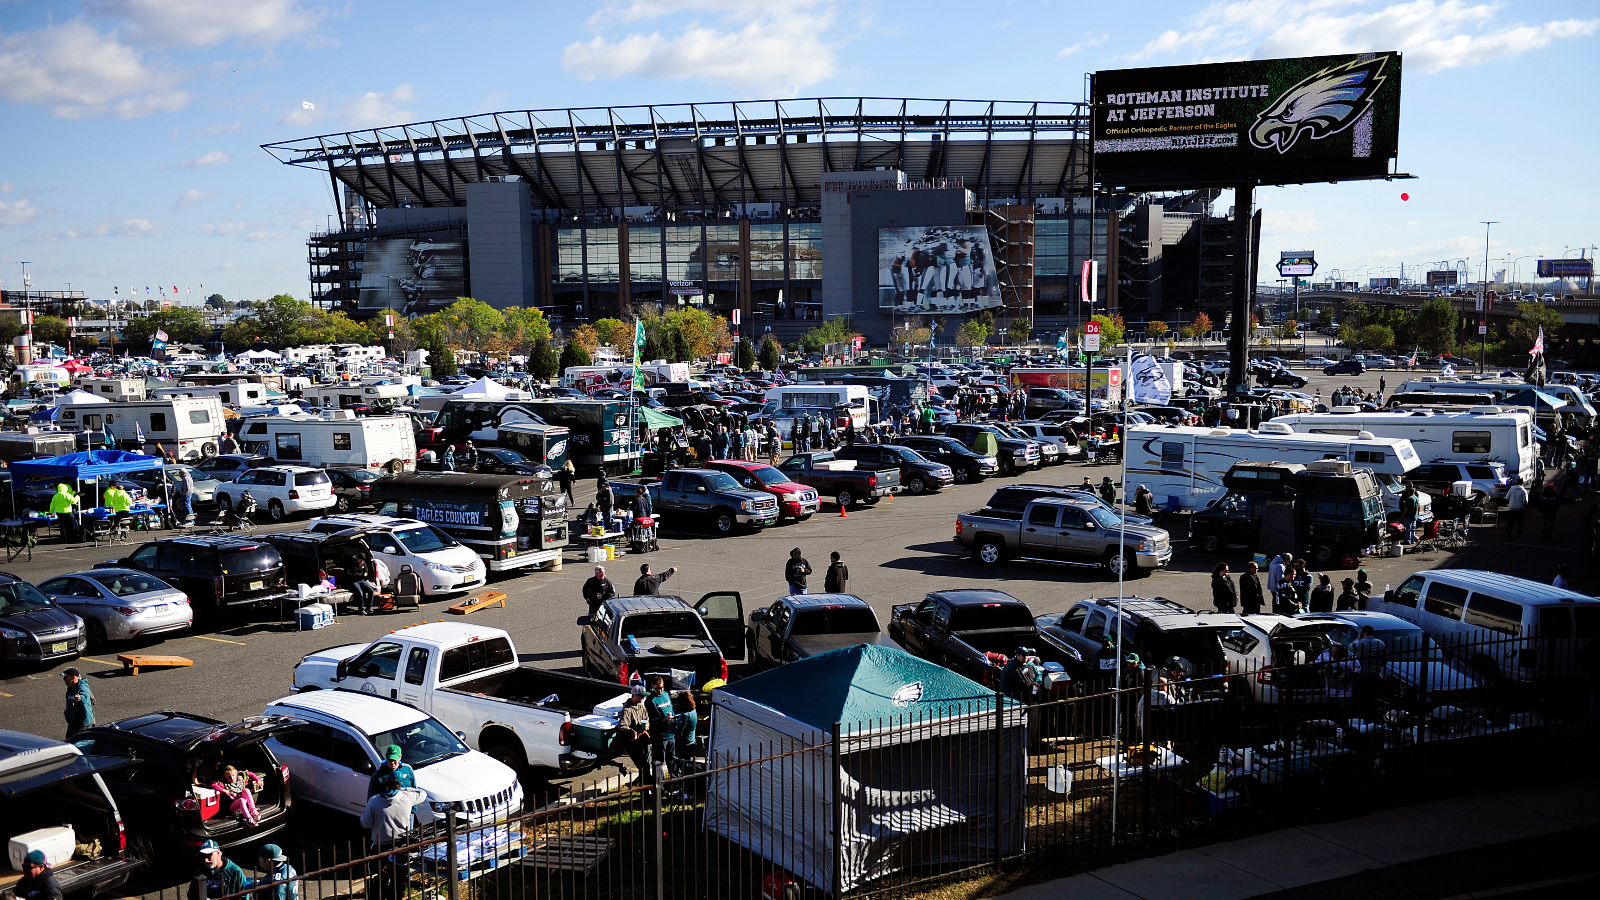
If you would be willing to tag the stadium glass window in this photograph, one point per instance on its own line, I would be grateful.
(569, 255)
(603, 261)
(644, 254)
(683, 253)
(766, 252)
(805, 250)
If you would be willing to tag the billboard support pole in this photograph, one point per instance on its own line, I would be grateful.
(1239, 334)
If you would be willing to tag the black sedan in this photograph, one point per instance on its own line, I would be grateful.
(33, 628)
(1345, 367)
(965, 465)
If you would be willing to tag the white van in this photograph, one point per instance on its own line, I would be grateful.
(51, 376)
(794, 400)
(337, 439)
(1185, 464)
(1505, 627)
(239, 393)
(1475, 435)
(445, 565)
(186, 427)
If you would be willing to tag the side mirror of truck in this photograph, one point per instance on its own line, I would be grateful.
(342, 671)
(700, 489)
(583, 621)
(758, 615)
(1090, 526)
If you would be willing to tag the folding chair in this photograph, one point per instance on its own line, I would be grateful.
(1168, 511)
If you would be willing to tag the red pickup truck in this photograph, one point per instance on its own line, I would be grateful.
(795, 501)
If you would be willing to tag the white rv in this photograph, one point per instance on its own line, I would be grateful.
(796, 400)
(1477, 434)
(119, 389)
(53, 376)
(186, 427)
(337, 439)
(1501, 389)
(345, 394)
(1185, 464)
(239, 393)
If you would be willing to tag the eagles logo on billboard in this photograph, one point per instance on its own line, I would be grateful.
(1272, 121)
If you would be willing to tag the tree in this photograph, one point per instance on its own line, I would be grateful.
(282, 321)
(972, 333)
(744, 355)
(572, 354)
(1200, 327)
(1437, 324)
(769, 354)
(913, 330)
(338, 328)
(833, 331)
(1112, 330)
(49, 330)
(521, 327)
(1530, 318)
(442, 361)
(1289, 330)
(680, 347)
(1355, 312)
(182, 325)
(1377, 337)
(543, 360)
(586, 337)
(615, 332)
(652, 349)
(1156, 330)
(1020, 329)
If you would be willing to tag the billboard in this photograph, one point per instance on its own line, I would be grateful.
(1442, 277)
(1383, 284)
(1566, 268)
(413, 275)
(1297, 263)
(936, 269)
(1269, 121)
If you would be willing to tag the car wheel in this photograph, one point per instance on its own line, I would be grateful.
(208, 449)
(1211, 542)
(1324, 555)
(722, 522)
(224, 505)
(1121, 564)
(275, 510)
(844, 498)
(990, 551)
(916, 485)
(94, 635)
(962, 475)
(506, 755)
(342, 504)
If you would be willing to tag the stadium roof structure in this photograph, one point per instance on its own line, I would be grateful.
(709, 155)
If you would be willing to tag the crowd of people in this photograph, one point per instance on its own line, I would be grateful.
(1291, 588)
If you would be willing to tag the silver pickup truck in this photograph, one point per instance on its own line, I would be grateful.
(1063, 529)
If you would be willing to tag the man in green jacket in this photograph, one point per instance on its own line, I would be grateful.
(80, 702)
(217, 876)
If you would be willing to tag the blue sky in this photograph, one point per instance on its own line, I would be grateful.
(132, 127)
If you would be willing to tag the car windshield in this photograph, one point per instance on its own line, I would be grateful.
(21, 597)
(1105, 517)
(719, 481)
(421, 743)
(251, 559)
(507, 456)
(426, 539)
(361, 475)
(769, 476)
(130, 584)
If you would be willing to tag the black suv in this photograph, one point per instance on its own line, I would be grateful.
(33, 629)
(966, 465)
(216, 571)
(1155, 628)
(166, 795)
(918, 474)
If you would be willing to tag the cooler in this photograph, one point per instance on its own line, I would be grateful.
(1461, 488)
(57, 842)
(597, 554)
(594, 733)
(313, 616)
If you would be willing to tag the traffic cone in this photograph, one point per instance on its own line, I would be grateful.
(842, 513)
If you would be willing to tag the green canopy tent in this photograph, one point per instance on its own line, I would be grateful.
(930, 773)
(656, 420)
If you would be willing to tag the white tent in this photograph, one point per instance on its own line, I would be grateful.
(80, 396)
(920, 762)
(263, 353)
(486, 388)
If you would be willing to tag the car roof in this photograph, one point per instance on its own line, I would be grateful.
(215, 541)
(368, 713)
(1164, 613)
(295, 469)
(1520, 589)
(977, 597)
(814, 601)
(357, 520)
(647, 604)
(182, 730)
(1379, 621)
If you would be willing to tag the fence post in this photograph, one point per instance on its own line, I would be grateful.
(451, 857)
(838, 814)
(655, 794)
(1145, 742)
(999, 756)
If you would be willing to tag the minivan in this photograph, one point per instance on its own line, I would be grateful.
(1506, 628)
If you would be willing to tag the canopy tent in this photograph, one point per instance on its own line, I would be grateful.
(1535, 398)
(78, 395)
(263, 353)
(86, 465)
(655, 419)
(930, 773)
(484, 387)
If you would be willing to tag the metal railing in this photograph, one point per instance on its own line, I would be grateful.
(779, 808)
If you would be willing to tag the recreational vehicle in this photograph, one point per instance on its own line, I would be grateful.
(186, 427)
(797, 400)
(343, 395)
(119, 389)
(46, 376)
(1184, 466)
(1503, 390)
(337, 439)
(588, 378)
(1477, 434)
(239, 393)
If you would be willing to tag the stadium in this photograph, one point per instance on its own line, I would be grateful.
(788, 211)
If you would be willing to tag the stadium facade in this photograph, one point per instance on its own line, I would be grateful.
(788, 211)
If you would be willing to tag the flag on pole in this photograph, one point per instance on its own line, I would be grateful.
(1538, 344)
(638, 343)
(307, 104)
(1412, 362)
(1150, 384)
(109, 440)
(1447, 371)
(138, 433)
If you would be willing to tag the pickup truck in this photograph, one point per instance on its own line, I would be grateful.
(467, 677)
(1063, 529)
(918, 474)
(805, 625)
(705, 495)
(1014, 454)
(840, 477)
(664, 635)
(795, 501)
(970, 632)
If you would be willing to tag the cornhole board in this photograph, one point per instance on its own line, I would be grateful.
(482, 601)
(132, 662)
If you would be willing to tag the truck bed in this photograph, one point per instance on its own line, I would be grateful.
(575, 695)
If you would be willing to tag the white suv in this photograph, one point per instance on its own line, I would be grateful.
(280, 490)
(445, 565)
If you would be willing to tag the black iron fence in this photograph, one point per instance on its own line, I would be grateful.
(885, 807)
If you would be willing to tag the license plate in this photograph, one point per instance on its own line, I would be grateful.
(510, 552)
(257, 585)
(59, 647)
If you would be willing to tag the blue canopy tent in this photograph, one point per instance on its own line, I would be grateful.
(85, 465)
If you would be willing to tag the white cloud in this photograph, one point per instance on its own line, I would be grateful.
(190, 198)
(263, 235)
(80, 72)
(209, 158)
(221, 229)
(378, 108)
(17, 212)
(1084, 44)
(1287, 221)
(203, 23)
(754, 47)
(6, 187)
(125, 228)
(1434, 34)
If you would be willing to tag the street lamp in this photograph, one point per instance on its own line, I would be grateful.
(1483, 301)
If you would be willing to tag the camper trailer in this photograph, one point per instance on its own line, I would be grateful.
(118, 389)
(186, 427)
(34, 443)
(797, 400)
(1477, 434)
(1503, 390)
(338, 439)
(589, 378)
(1185, 465)
(46, 376)
(239, 393)
(345, 394)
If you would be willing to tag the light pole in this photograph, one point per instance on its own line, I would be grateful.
(1483, 301)
(27, 307)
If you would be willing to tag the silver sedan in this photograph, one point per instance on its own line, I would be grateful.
(120, 604)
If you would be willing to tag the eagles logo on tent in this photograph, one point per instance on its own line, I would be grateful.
(1323, 104)
(907, 694)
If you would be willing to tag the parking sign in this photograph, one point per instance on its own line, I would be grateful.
(1091, 336)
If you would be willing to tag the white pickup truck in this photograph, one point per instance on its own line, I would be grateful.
(467, 677)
